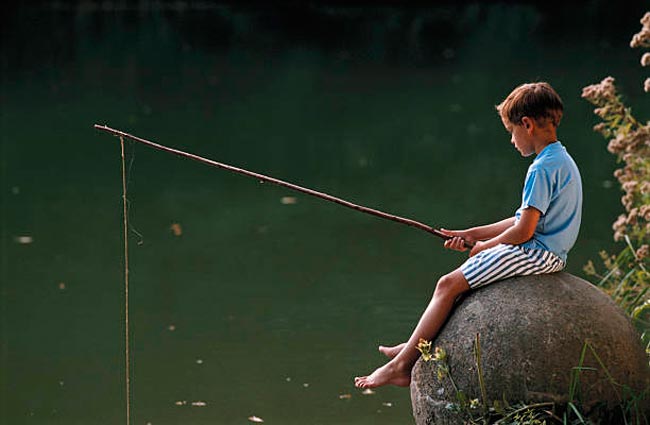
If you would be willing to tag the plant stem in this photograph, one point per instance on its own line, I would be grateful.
(479, 370)
(523, 409)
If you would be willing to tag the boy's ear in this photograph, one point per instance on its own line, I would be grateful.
(528, 123)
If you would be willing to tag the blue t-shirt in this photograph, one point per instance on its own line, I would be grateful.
(553, 186)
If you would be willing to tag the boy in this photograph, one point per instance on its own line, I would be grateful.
(536, 240)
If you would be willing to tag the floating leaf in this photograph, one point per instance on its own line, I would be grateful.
(199, 403)
(368, 391)
(288, 200)
(255, 419)
(24, 240)
(345, 396)
(176, 229)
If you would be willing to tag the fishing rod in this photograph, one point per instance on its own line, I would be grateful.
(264, 178)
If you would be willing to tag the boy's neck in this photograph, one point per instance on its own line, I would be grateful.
(545, 137)
(542, 145)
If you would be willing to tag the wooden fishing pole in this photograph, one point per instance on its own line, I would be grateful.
(263, 178)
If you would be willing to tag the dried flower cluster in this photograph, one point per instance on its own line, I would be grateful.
(642, 38)
(630, 141)
(645, 59)
(627, 279)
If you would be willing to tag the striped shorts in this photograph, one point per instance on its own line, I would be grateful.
(504, 261)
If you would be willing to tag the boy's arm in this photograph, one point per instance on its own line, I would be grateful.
(478, 233)
(488, 231)
(515, 234)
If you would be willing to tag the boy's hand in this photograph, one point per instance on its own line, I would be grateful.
(478, 247)
(458, 238)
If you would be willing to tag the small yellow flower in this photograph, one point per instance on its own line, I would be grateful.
(424, 347)
(440, 355)
(474, 403)
(441, 373)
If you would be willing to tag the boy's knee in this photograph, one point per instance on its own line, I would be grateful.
(452, 284)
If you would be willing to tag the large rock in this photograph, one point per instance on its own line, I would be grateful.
(532, 333)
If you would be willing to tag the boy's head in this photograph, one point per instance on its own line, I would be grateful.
(537, 101)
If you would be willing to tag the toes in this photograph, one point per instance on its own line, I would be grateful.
(360, 382)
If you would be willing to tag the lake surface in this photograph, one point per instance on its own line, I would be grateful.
(247, 299)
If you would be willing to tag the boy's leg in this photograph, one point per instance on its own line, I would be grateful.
(398, 370)
(393, 351)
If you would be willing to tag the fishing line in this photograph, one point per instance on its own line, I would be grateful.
(128, 183)
(127, 354)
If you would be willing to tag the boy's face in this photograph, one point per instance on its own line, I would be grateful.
(521, 137)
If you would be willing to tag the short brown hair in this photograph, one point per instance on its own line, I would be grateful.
(538, 101)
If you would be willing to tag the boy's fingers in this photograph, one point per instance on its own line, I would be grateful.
(448, 232)
(456, 243)
(451, 243)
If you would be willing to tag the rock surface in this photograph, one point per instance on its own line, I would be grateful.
(532, 333)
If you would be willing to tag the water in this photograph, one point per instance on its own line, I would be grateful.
(241, 303)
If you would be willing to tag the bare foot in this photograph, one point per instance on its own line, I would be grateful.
(388, 374)
(391, 352)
